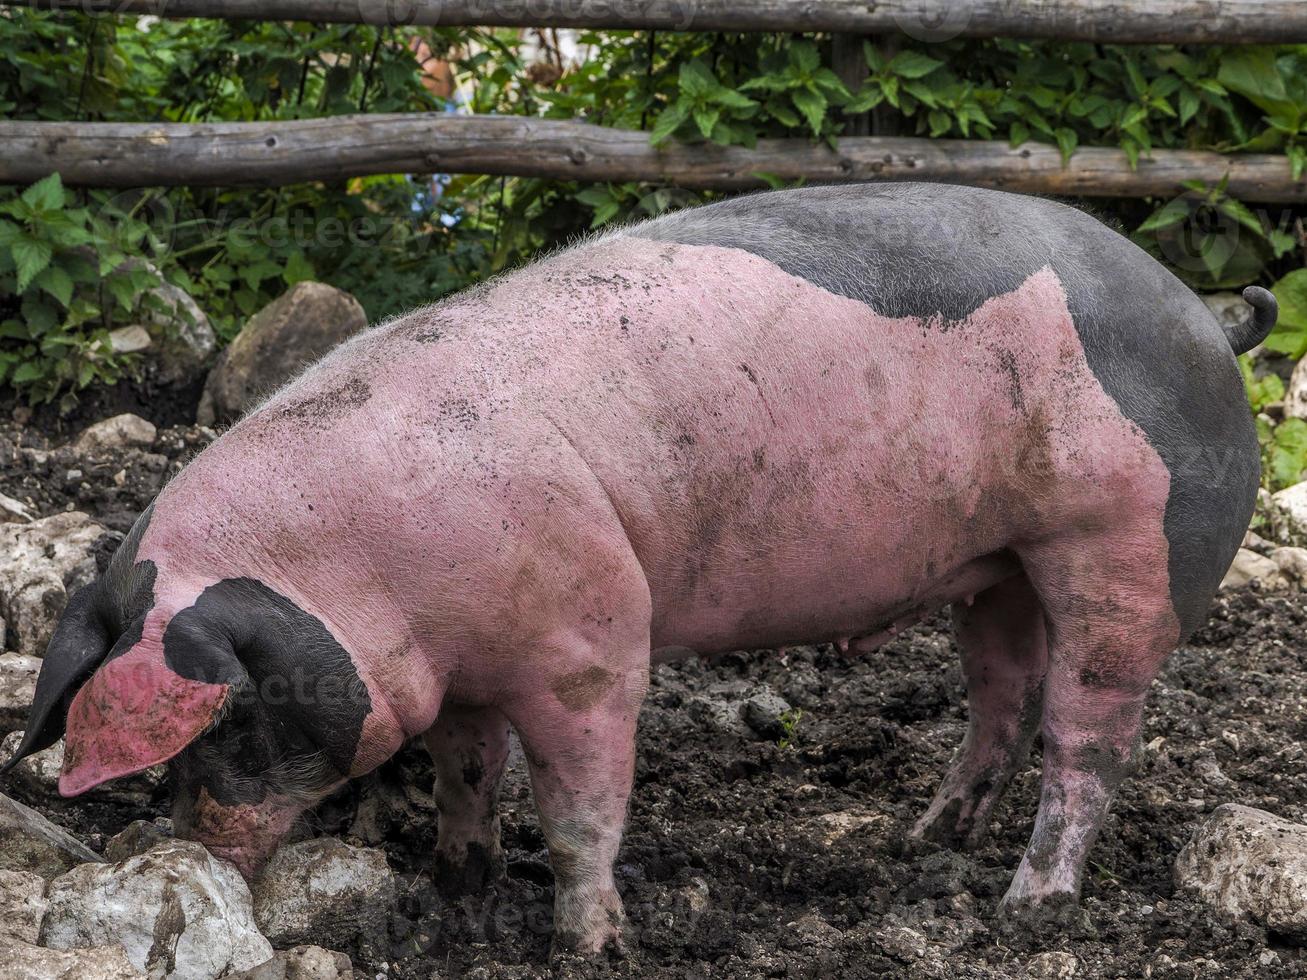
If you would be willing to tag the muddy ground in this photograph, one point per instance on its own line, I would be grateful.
(746, 858)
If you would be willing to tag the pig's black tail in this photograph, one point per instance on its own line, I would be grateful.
(1257, 327)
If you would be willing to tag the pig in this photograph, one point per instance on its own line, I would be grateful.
(815, 415)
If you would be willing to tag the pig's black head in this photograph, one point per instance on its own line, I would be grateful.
(246, 693)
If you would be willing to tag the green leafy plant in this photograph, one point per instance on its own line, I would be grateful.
(1212, 240)
(789, 720)
(66, 278)
(1290, 334)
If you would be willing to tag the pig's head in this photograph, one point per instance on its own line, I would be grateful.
(250, 700)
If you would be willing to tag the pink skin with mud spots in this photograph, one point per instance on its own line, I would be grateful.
(503, 507)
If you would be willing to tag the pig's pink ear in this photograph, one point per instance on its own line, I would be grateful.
(133, 713)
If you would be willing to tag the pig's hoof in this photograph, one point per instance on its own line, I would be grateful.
(468, 871)
(608, 938)
(1034, 917)
(947, 829)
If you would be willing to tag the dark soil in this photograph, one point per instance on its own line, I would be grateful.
(744, 858)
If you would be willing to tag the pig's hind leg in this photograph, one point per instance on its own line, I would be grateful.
(1110, 626)
(468, 746)
(1004, 651)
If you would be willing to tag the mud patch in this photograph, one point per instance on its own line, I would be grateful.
(325, 408)
(583, 689)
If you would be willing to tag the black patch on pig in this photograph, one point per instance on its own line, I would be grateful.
(940, 251)
(105, 616)
(297, 698)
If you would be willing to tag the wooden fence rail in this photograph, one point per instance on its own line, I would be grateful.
(276, 153)
(1126, 21)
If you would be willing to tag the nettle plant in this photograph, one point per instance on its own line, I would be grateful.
(68, 276)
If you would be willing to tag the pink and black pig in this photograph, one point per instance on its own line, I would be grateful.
(804, 416)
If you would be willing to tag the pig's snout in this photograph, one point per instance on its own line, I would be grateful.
(246, 834)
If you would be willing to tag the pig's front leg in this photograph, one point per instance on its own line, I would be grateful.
(580, 745)
(468, 746)
(1004, 651)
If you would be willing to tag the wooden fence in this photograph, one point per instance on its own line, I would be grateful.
(146, 154)
(1125, 21)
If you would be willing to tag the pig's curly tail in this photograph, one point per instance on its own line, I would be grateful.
(1257, 327)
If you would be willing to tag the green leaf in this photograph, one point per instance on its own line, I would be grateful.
(913, 64)
(298, 269)
(705, 117)
(812, 105)
(1189, 105)
(1067, 141)
(732, 99)
(1288, 452)
(804, 56)
(55, 281)
(1167, 216)
(668, 122)
(1290, 334)
(1252, 73)
(31, 255)
(27, 372)
(696, 79)
(45, 195)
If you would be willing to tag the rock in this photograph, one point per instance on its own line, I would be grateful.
(301, 963)
(694, 896)
(902, 943)
(763, 711)
(1255, 542)
(830, 827)
(129, 340)
(275, 344)
(14, 511)
(1289, 513)
(35, 778)
(17, 688)
(115, 434)
(30, 842)
(813, 930)
(177, 335)
(138, 837)
(325, 892)
(184, 337)
(1295, 395)
(22, 905)
(176, 910)
(715, 713)
(1292, 563)
(1055, 965)
(23, 961)
(1249, 864)
(1229, 309)
(1249, 567)
(40, 563)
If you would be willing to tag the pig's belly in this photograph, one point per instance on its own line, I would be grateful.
(840, 612)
